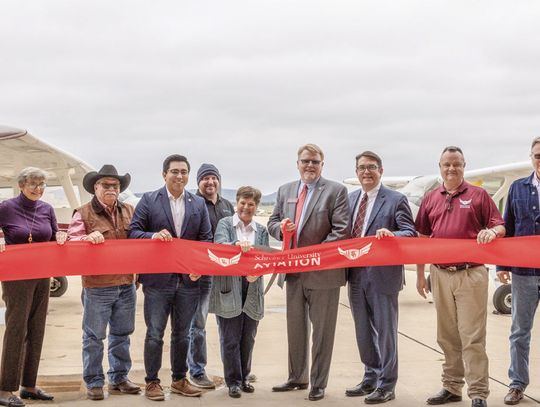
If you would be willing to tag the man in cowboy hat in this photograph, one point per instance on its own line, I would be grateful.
(108, 300)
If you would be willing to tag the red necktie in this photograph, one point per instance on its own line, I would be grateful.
(298, 213)
(360, 217)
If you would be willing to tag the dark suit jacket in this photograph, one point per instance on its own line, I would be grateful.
(326, 219)
(391, 211)
(153, 213)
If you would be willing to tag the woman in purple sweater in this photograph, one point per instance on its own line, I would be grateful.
(24, 220)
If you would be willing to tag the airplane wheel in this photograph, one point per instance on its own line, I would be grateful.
(502, 299)
(59, 286)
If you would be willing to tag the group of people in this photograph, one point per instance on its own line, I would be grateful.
(314, 210)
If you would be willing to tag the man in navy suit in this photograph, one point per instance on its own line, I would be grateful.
(373, 291)
(170, 212)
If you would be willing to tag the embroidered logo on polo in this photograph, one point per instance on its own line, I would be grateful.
(465, 204)
(353, 254)
(223, 261)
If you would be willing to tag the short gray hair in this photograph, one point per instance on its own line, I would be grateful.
(535, 141)
(31, 173)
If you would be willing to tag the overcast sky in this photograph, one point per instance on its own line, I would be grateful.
(242, 84)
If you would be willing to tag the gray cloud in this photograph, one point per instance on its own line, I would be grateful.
(242, 84)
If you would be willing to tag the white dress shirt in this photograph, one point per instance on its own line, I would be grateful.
(371, 201)
(244, 232)
(178, 209)
(536, 183)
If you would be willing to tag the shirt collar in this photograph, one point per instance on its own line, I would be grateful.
(108, 208)
(218, 200)
(462, 188)
(237, 221)
(373, 193)
(309, 186)
(172, 198)
(535, 180)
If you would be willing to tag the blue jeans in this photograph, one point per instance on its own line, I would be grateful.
(524, 303)
(115, 307)
(180, 302)
(197, 332)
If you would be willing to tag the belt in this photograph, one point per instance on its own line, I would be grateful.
(457, 267)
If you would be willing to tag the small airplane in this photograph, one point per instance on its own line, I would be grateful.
(65, 192)
(495, 180)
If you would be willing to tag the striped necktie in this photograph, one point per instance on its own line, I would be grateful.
(360, 217)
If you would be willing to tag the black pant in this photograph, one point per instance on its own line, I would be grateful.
(26, 311)
(237, 337)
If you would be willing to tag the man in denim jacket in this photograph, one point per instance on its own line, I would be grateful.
(522, 218)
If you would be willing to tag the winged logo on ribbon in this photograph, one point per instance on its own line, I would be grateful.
(223, 261)
(353, 254)
(462, 202)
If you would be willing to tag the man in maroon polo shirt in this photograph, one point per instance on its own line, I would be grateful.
(459, 210)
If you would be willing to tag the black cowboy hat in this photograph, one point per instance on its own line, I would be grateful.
(107, 170)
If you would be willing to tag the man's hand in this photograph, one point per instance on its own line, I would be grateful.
(383, 232)
(95, 237)
(61, 237)
(163, 235)
(503, 276)
(194, 277)
(421, 281)
(287, 225)
(252, 279)
(245, 245)
(486, 236)
(2, 245)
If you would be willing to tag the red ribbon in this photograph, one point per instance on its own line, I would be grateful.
(137, 256)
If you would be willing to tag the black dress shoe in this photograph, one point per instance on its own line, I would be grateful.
(234, 392)
(247, 387)
(38, 395)
(288, 386)
(11, 401)
(443, 397)
(380, 396)
(479, 403)
(361, 389)
(316, 393)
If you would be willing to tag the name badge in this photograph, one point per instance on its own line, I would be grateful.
(292, 200)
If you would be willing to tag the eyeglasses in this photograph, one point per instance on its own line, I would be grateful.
(312, 162)
(34, 186)
(176, 173)
(535, 156)
(370, 167)
(106, 185)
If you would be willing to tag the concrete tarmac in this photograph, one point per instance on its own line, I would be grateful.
(419, 357)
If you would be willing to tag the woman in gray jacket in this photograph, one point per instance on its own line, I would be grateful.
(238, 302)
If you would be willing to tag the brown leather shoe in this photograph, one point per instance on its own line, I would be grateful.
(154, 391)
(184, 388)
(514, 396)
(126, 387)
(95, 393)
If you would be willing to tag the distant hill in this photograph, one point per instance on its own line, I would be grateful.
(230, 194)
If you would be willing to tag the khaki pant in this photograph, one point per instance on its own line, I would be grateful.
(461, 303)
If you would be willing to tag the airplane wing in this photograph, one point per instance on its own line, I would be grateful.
(391, 182)
(19, 149)
(495, 180)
